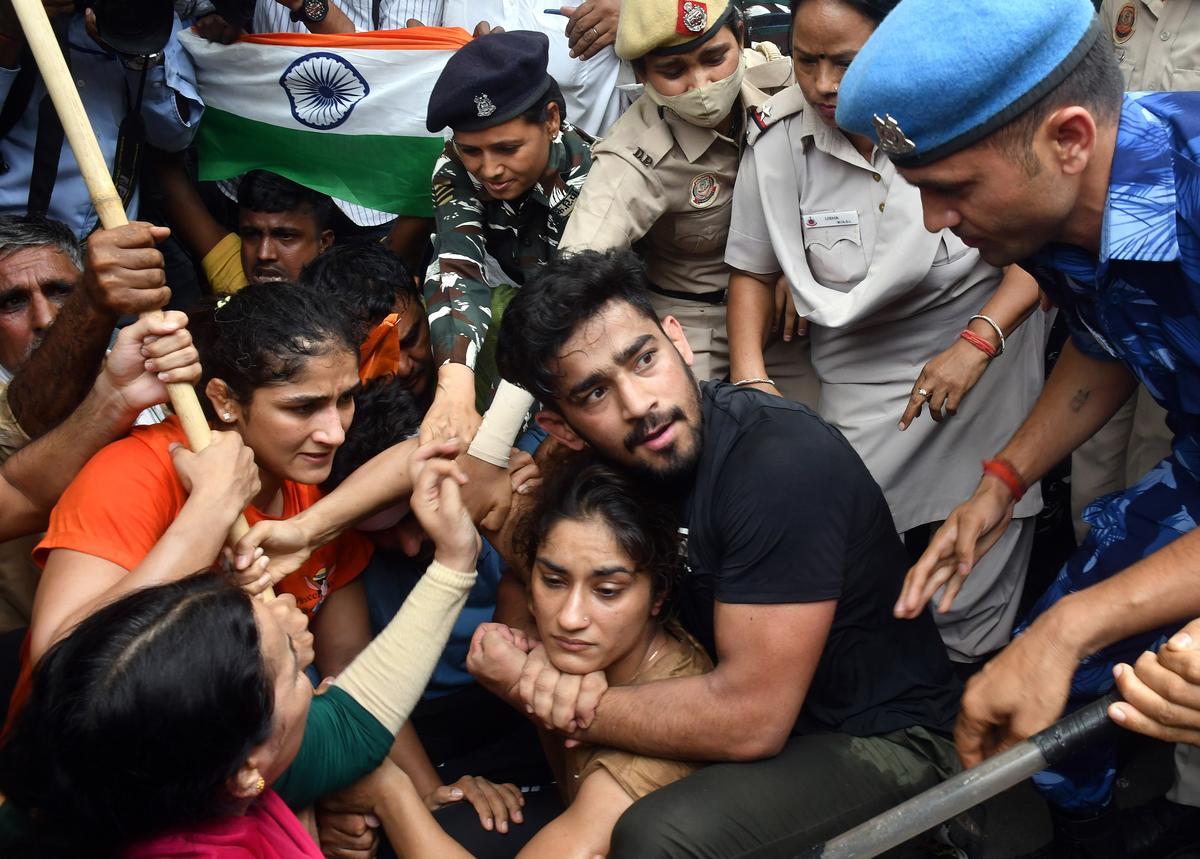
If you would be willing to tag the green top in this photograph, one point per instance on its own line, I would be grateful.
(521, 236)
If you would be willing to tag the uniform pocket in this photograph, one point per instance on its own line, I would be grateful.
(835, 253)
(704, 231)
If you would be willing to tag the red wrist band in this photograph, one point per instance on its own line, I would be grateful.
(978, 342)
(1006, 473)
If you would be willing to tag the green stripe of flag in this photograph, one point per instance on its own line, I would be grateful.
(391, 174)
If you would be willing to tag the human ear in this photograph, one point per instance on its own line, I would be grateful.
(248, 782)
(656, 607)
(325, 241)
(553, 119)
(227, 409)
(558, 428)
(674, 332)
(1071, 133)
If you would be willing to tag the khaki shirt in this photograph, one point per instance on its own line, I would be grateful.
(666, 186)
(18, 575)
(1157, 42)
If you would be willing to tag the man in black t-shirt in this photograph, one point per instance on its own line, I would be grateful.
(834, 709)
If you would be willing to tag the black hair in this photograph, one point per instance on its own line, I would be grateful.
(263, 334)
(546, 311)
(385, 414)
(873, 10)
(137, 719)
(641, 521)
(365, 278)
(263, 191)
(1096, 84)
(540, 112)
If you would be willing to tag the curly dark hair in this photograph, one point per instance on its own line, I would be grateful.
(263, 335)
(264, 191)
(366, 278)
(545, 312)
(137, 719)
(643, 523)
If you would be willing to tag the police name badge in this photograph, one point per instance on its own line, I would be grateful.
(484, 106)
(831, 219)
(705, 189)
(891, 136)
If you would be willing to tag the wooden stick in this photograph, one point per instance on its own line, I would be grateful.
(78, 131)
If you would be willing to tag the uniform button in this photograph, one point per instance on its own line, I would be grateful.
(79, 82)
(881, 207)
(1165, 36)
(876, 177)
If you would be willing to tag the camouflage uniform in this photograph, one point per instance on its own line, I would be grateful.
(481, 244)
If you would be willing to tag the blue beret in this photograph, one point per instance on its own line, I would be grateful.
(937, 76)
(490, 80)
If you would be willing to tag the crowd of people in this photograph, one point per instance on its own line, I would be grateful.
(631, 504)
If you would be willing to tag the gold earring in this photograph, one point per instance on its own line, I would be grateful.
(260, 785)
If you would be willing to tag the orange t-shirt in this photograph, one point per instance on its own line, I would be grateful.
(128, 494)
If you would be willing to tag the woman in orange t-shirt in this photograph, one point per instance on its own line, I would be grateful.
(280, 369)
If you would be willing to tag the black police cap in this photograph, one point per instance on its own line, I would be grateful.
(490, 80)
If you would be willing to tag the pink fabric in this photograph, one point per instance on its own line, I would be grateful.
(268, 830)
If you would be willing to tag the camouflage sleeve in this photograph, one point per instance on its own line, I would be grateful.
(457, 297)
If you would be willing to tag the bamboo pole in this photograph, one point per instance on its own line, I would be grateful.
(78, 131)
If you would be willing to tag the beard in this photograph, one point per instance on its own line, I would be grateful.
(675, 466)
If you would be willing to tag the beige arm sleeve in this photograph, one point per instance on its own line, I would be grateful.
(618, 205)
(501, 425)
(388, 677)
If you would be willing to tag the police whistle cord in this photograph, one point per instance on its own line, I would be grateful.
(39, 35)
(971, 787)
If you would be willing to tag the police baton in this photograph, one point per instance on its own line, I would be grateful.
(971, 787)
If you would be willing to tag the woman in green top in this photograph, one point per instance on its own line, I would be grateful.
(176, 721)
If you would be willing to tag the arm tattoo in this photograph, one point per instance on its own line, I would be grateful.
(1081, 397)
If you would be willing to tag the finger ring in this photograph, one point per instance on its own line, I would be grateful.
(595, 33)
(921, 392)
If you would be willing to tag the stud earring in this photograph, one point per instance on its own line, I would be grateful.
(227, 417)
(260, 785)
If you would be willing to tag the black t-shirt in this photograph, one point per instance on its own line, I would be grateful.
(783, 511)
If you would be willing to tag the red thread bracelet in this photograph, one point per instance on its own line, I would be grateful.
(978, 342)
(1006, 473)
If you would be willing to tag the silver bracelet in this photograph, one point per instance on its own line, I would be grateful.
(742, 383)
(991, 322)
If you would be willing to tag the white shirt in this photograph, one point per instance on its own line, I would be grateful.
(589, 86)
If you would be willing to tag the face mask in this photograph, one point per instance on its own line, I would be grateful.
(704, 106)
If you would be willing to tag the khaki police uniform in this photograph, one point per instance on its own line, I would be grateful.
(1158, 45)
(1157, 42)
(664, 187)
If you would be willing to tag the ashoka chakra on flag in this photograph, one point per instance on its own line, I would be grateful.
(323, 89)
(343, 114)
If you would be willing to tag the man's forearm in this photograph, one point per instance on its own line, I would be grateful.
(70, 355)
(42, 470)
(684, 718)
(1079, 398)
(1162, 589)
(377, 484)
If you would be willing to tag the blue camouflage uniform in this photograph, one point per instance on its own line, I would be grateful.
(1138, 302)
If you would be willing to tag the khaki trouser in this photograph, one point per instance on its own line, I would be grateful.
(1119, 454)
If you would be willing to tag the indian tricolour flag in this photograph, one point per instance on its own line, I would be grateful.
(341, 114)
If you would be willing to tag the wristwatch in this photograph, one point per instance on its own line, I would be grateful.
(141, 62)
(311, 11)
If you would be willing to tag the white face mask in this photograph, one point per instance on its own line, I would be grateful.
(707, 105)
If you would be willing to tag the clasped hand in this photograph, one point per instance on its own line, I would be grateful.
(517, 669)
